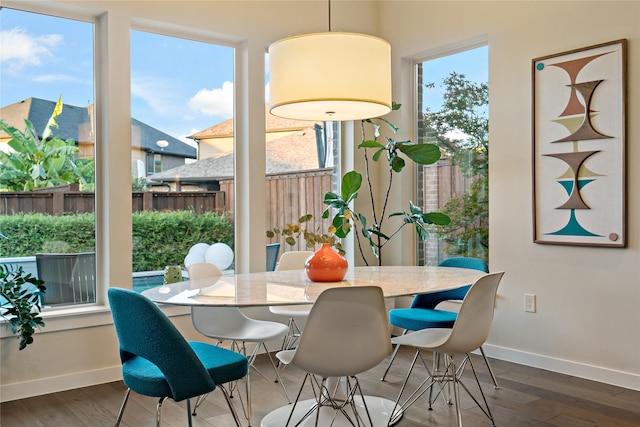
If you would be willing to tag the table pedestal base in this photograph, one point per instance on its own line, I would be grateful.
(379, 408)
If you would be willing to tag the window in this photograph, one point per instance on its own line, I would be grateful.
(181, 135)
(47, 72)
(453, 113)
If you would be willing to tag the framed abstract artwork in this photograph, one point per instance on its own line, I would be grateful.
(579, 164)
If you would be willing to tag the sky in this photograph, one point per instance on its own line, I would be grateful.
(177, 86)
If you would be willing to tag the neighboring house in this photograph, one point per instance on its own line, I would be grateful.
(291, 146)
(218, 139)
(151, 149)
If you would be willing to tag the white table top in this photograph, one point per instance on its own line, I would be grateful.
(293, 286)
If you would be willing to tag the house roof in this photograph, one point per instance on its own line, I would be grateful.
(150, 136)
(293, 152)
(272, 124)
(73, 119)
(38, 111)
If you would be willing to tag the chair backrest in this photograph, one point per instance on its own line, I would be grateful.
(203, 270)
(69, 278)
(293, 260)
(465, 262)
(431, 300)
(272, 255)
(213, 321)
(143, 330)
(473, 324)
(347, 332)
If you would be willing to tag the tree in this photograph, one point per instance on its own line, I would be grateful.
(35, 163)
(461, 129)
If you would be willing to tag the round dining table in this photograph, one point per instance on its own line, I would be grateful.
(292, 287)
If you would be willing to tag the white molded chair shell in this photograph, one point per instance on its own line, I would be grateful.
(203, 270)
(229, 323)
(292, 260)
(472, 325)
(347, 333)
(469, 332)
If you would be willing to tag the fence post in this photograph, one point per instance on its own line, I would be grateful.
(147, 201)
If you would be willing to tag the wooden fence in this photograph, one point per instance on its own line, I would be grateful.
(288, 197)
(57, 202)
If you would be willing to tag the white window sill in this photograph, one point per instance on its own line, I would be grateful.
(70, 318)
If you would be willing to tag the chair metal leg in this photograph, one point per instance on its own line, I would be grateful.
(485, 408)
(393, 357)
(452, 375)
(159, 411)
(199, 401)
(493, 376)
(189, 413)
(227, 398)
(252, 358)
(124, 403)
(294, 334)
(456, 392)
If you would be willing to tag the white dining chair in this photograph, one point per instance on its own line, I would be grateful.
(296, 314)
(469, 332)
(347, 333)
(231, 324)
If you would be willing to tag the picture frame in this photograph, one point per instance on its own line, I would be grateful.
(579, 146)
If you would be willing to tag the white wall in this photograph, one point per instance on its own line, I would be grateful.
(588, 319)
(588, 322)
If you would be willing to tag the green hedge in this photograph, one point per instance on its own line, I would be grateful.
(159, 238)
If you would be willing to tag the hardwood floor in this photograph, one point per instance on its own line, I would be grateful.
(526, 397)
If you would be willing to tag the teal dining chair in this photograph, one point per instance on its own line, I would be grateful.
(423, 314)
(157, 361)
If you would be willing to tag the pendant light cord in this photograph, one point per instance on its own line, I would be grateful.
(329, 13)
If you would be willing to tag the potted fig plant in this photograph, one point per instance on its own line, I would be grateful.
(21, 302)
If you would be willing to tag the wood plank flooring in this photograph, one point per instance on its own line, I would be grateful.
(526, 397)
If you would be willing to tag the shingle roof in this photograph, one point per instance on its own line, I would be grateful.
(272, 123)
(294, 152)
(38, 111)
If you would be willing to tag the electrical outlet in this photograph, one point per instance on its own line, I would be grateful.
(530, 303)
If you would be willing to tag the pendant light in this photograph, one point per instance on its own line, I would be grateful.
(330, 76)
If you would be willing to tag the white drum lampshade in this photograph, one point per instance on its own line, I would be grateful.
(219, 254)
(330, 76)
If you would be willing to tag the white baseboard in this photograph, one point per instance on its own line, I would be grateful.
(42, 386)
(595, 373)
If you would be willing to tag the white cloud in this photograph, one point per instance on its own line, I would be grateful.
(214, 102)
(21, 50)
(156, 94)
(57, 78)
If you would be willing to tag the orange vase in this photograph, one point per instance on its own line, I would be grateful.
(326, 265)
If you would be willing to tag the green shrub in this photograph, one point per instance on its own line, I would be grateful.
(159, 238)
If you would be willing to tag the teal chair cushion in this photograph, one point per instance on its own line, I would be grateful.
(423, 314)
(415, 319)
